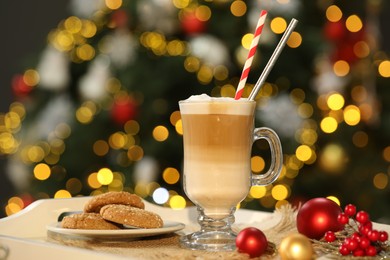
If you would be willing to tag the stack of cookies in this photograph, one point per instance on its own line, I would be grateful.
(113, 210)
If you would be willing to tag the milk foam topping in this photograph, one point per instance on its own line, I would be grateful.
(204, 104)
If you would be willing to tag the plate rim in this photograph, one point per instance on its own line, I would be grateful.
(169, 227)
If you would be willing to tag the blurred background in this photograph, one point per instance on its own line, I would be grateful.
(89, 93)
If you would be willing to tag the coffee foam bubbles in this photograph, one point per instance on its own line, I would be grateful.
(204, 104)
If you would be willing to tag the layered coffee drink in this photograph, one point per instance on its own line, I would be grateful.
(217, 134)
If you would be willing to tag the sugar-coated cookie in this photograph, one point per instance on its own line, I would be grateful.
(87, 221)
(121, 197)
(131, 216)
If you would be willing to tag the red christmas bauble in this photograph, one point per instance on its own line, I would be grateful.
(120, 18)
(251, 241)
(317, 216)
(335, 31)
(192, 25)
(123, 110)
(19, 87)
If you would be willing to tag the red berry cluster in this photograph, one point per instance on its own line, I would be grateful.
(364, 240)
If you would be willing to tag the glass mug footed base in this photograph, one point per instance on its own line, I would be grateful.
(214, 234)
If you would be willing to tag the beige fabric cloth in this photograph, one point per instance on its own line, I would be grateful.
(159, 247)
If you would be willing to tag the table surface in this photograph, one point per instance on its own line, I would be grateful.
(26, 233)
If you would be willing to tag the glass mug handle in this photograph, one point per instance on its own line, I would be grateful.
(276, 156)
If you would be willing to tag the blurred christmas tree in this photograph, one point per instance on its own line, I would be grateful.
(99, 111)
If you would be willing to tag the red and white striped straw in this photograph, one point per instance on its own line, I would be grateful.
(251, 54)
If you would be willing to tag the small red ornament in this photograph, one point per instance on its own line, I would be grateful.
(19, 86)
(343, 219)
(120, 18)
(362, 217)
(123, 110)
(251, 241)
(330, 236)
(364, 242)
(317, 216)
(373, 235)
(371, 251)
(383, 236)
(191, 24)
(343, 250)
(335, 31)
(350, 210)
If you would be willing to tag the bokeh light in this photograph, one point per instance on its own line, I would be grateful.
(31, 77)
(278, 25)
(100, 147)
(105, 176)
(303, 153)
(328, 125)
(177, 202)
(160, 195)
(42, 171)
(333, 13)
(61, 194)
(160, 133)
(361, 49)
(295, 40)
(246, 40)
(354, 23)
(380, 181)
(135, 153)
(335, 101)
(257, 164)
(280, 192)
(360, 139)
(238, 8)
(203, 13)
(181, 3)
(258, 191)
(386, 154)
(352, 115)
(93, 181)
(73, 185)
(341, 68)
(384, 69)
(333, 158)
(171, 175)
(113, 4)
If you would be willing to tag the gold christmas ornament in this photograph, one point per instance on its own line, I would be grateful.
(296, 247)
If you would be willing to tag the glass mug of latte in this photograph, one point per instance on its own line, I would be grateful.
(218, 135)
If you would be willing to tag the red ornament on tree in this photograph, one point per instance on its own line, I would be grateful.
(318, 216)
(251, 241)
(123, 110)
(120, 18)
(335, 31)
(191, 24)
(19, 86)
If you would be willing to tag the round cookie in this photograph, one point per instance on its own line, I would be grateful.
(131, 216)
(87, 221)
(113, 197)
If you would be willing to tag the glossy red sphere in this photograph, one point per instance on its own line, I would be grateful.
(251, 241)
(317, 216)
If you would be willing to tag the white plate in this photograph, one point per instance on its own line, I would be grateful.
(169, 227)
